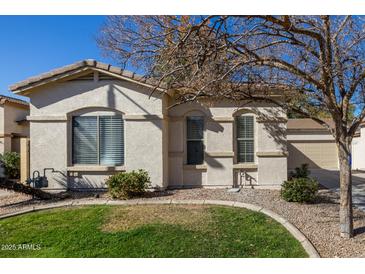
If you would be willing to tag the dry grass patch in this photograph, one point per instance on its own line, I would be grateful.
(123, 218)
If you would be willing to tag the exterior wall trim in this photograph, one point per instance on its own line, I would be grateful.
(245, 166)
(278, 120)
(41, 118)
(303, 140)
(130, 117)
(137, 117)
(227, 119)
(220, 154)
(301, 130)
(272, 154)
(223, 119)
(96, 168)
(195, 167)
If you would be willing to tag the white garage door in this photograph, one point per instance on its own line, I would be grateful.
(316, 154)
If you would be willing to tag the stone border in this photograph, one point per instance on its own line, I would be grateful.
(304, 241)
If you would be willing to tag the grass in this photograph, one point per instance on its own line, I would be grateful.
(147, 231)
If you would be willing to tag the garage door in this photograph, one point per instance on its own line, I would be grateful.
(316, 154)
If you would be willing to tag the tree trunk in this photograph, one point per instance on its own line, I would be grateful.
(346, 219)
(18, 187)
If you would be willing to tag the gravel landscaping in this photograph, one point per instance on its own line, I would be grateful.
(318, 221)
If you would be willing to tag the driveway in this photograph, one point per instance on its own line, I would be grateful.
(330, 179)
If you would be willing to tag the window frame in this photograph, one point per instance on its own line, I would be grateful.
(253, 139)
(97, 115)
(187, 140)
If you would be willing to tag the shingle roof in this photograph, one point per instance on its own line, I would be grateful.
(4, 99)
(77, 67)
(307, 124)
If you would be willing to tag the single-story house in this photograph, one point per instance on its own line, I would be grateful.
(89, 120)
(13, 123)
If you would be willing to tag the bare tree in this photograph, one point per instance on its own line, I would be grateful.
(317, 63)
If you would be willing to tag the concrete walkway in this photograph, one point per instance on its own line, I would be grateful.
(330, 179)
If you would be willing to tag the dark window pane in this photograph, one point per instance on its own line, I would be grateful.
(85, 140)
(111, 140)
(195, 127)
(195, 152)
(195, 136)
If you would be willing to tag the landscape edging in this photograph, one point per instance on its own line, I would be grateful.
(293, 230)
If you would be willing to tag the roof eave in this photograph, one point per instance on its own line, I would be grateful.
(13, 101)
(25, 87)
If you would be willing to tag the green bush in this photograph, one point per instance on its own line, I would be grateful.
(11, 162)
(125, 185)
(300, 172)
(302, 190)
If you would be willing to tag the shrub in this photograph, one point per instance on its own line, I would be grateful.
(125, 185)
(302, 190)
(300, 172)
(11, 162)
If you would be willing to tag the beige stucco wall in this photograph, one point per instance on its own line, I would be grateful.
(51, 111)
(9, 114)
(5, 144)
(154, 137)
(48, 149)
(358, 150)
(144, 148)
(15, 113)
(62, 98)
(220, 167)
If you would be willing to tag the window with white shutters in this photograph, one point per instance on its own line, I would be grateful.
(98, 140)
(195, 140)
(245, 139)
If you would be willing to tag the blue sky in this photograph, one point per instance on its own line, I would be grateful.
(31, 45)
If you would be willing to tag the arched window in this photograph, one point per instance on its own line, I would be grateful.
(98, 140)
(195, 140)
(245, 139)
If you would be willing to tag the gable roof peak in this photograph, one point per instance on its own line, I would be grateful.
(77, 67)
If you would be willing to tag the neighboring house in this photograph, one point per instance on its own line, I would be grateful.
(13, 124)
(89, 120)
(311, 143)
(358, 149)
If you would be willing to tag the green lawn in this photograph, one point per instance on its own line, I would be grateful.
(147, 231)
